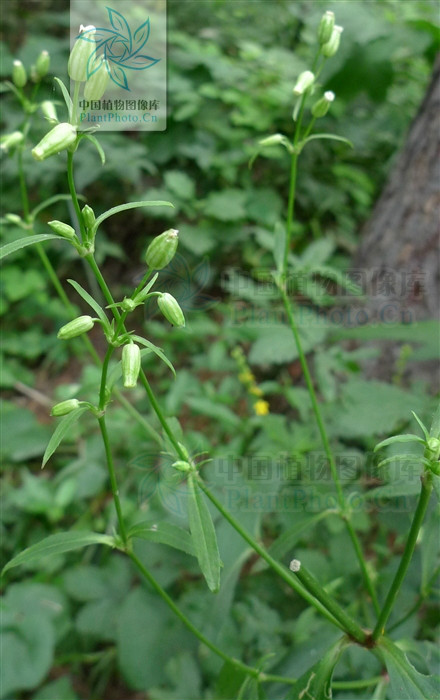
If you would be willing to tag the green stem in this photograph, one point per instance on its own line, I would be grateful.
(188, 624)
(102, 392)
(74, 196)
(290, 209)
(76, 88)
(23, 189)
(319, 598)
(405, 561)
(356, 685)
(113, 481)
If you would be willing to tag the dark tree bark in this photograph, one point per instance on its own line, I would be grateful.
(398, 258)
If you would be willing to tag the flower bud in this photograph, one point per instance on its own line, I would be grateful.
(60, 137)
(19, 77)
(65, 407)
(80, 54)
(78, 326)
(171, 309)
(321, 107)
(11, 140)
(42, 64)
(330, 48)
(162, 249)
(63, 230)
(131, 365)
(14, 219)
(272, 140)
(326, 27)
(88, 216)
(305, 80)
(49, 111)
(128, 304)
(434, 448)
(182, 466)
(96, 85)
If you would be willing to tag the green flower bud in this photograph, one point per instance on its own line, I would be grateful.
(65, 407)
(131, 365)
(60, 137)
(272, 140)
(19, 77)
(11, 140)
(162, 249)
(128, 304)
(434, 448)
(42, 65)
(321, 107)
(182, 466)
(80, 54)
(78, 326)
(171, 309)
(326, 27)
(49, 111)
(63, 230)
(97, 84)
(330, 48)
(304, 82)
(89, 216)
(14, 219)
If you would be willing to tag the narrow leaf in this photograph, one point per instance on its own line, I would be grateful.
(61, 431)
(403, 458)
(58, 544)
(97, 145)
(67, 99)
(435, 425)
(406, 683)
(422, 426)
(164, 533)
(315, 684)
(331, 137)
(52, 200)
(408, 437)
(203, 534)
(23, 242)
(130, 205)
(90, 301)
(157, 351)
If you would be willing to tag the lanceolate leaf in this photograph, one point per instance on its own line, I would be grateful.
(331, 137)
(58, 544)
(157, 351)
(164, 533)
(61, 431)
(67, 98)
(406, 683)
(203, 534)
(398, 438)
(51, 200)
(97, 145)
(315, 684)
(23, 242)
(90, 301)
(129, 205)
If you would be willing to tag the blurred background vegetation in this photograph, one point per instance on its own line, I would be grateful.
(232, 66)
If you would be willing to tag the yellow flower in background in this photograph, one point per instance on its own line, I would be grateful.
(256, 391)
(261, 408)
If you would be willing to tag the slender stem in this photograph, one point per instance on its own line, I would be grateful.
(74, 196)
(188, 624)
(74, 114)
(356, 685)
(23, 189)
(405, 561)
(112, 474)
(319, 598)
(102, 392)
(290, 208)
(103, 284)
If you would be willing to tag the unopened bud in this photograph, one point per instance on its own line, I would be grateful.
(60, 137)
(11, 140)
(14, 219)
(434, 448)
(97, 84)
(272, 140)
(321, 107)
(78, 326)
(65, 407)
(19, 77)
(330, 48)
(63, 229)
(326, 27)
(305, 80)
(49, 110)
(42, 65)
(131, 365)
(182, 466)
(171, 309)
(162, 249)
(83, 48)
(128, 304)
(88, 216)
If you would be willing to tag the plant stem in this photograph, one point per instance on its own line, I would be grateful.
(74, 196)
(319, 598)
(356, 685)
(416, 524)
(113, 481)
(188, 624)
